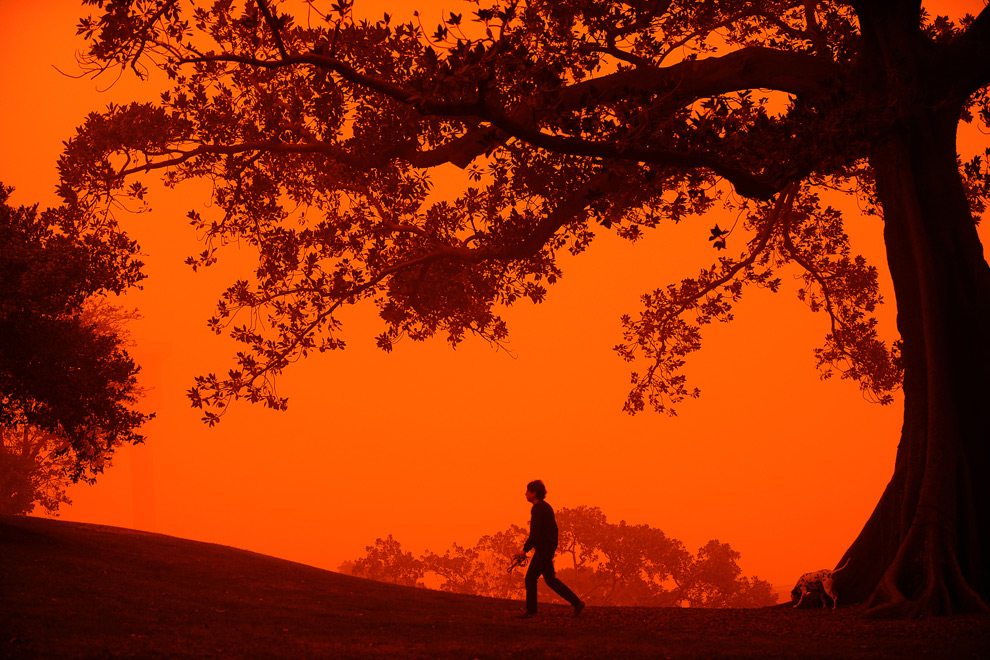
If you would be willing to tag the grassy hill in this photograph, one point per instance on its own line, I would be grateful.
(74, 590)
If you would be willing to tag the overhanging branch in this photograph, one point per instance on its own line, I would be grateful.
(688, 81)
(333, 151)
(677, 85)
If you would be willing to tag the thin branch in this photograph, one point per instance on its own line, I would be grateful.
(344, 70)
(745, 183)
(266, 146)
(389, 222)
(781, 208)
(673, 47)
(616, 52)
(165, 6)
(273, 24)
(789, 30)
(565, 212)
(818, 277)
(835, 322)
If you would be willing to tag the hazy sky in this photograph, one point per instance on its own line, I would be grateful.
(434, 445)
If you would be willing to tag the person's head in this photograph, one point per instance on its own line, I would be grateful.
(537, 490)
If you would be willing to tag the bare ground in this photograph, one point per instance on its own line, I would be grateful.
(71, 590)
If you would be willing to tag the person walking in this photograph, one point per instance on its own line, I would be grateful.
(543, 541)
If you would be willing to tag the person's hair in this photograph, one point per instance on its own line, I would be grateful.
(537, 488)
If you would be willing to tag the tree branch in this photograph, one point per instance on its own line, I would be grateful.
(782, 207)
(162, 9)
(789, 30)
(273, 24)
(688, 81)
(678, 84)
(352, 75)
(261, 146)
(745, 183)
(816, 274)
(565, 212)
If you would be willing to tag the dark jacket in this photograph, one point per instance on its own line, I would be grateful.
(542, 529)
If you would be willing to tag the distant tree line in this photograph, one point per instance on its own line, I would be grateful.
(604, 563)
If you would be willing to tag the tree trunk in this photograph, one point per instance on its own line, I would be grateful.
(926, 548)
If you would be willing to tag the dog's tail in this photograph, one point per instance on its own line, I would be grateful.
(841, 567)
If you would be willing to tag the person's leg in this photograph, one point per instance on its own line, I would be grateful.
(550, 577)
(532, 575)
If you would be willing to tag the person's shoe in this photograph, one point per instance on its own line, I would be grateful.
(578, 608)
(527, 615)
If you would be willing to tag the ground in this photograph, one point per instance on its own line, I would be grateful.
(74, 590)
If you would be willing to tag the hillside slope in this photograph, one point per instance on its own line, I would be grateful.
(77, 590)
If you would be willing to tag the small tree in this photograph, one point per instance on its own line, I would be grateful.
(67, 384)
(714, 579)
(385, 561)
(459, 569)
(36, 466)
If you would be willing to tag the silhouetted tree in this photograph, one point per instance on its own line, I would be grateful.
(580, 117)
(385, 561)
(36, 466)
(715, 580)
(457, 569)
(67, 384)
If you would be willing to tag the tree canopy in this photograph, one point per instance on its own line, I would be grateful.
(319, 137)
(322, 133)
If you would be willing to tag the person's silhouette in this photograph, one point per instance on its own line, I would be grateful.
(543, 541)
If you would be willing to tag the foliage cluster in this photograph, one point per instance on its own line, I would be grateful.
(604, 563)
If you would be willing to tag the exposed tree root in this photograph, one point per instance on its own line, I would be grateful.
(924, 581)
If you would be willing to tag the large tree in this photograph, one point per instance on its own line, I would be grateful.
(320, 132)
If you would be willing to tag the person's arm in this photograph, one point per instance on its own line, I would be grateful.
(534, 526)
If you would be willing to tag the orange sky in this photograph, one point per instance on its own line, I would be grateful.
(435, 445)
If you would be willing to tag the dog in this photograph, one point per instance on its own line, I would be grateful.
(818, 582)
